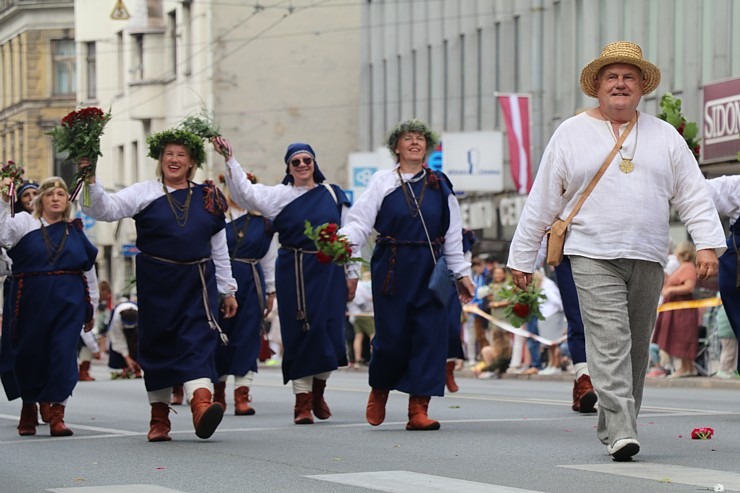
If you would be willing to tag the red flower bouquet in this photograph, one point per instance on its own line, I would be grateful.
(331, 246)
(523, 305)
(702, 434)
(670, 107)
(15, 173)
(79, 134)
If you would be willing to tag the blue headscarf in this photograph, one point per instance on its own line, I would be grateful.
(301, 148)
(25, 186)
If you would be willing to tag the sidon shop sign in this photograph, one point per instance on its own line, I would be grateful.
(721, 121)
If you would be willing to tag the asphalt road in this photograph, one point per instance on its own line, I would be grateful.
(498, 436)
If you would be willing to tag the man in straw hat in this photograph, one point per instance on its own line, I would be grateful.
(617, 241)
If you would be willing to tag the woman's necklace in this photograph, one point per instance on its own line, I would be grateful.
(239, 232)
(626, 166)
(180, 211)
(53, 251)
(413, 209)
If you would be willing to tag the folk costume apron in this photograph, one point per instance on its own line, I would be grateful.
(411, 329)
(50, 303)
(249, 239)
(176, 342)
(311, 296)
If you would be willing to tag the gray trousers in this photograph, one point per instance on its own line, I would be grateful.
(619, 300)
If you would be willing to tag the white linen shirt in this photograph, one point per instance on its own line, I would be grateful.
(361, 219)
(134, 199)
(269, 200)
(626, 215)
(116, 335)
(13, 229)
(725, 192)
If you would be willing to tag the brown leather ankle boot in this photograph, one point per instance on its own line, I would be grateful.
(28, 422)
(375, 412)
(219, 394)
(84, 375)
(57, 428)
(241, 402)
(418, 419)
(450, 377)
(45, 411)
(159, 426)
(177, 396)
(302, 410)
(207, 415)
(320, 407)
(584, 396)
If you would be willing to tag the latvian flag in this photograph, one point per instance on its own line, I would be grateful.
(516, 114)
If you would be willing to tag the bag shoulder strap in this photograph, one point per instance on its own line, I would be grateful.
(418, 209)
(602, 170)
(331, 191)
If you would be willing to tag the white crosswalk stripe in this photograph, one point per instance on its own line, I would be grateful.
(706, 478)
(412, 482)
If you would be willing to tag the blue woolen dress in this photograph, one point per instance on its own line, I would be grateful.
(248, 238)
(311, 312)
(728, 279)
(411, 329)
(176, 343)
(49, 304)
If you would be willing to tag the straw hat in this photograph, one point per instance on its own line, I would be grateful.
(619, 52)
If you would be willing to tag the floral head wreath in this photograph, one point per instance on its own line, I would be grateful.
(412, 126)
(157, 142)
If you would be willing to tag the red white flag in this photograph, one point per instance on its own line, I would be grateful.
(516, 113)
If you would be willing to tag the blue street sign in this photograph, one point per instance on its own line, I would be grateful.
(87, 221)
(129, 250)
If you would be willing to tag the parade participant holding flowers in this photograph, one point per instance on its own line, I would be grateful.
(252, 251)
(413, 209)
(53, 267)
(181, 273)
(617, 241)
(311, 292)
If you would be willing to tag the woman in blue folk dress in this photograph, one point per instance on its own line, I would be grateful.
(414, 212)
(311, 295)
(181, 272)
(455, 351)
(252, 252)
(725, 192)
(52, 294)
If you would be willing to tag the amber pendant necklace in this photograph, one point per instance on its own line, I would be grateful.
(626, 166)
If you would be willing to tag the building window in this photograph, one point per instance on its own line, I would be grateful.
(187, 38)
(91, 70)
(135, 160)
(517, 46)
(462, 82)
(63, 61)
(64, 168)
(445, 84)
(172, 42)
(120, 63)
(137, 57)
(120, 167)
(414, 93)
(479, 78)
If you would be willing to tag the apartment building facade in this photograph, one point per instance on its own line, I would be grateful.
(37, 80)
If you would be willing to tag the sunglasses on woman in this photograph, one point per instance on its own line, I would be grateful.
(297, 161)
